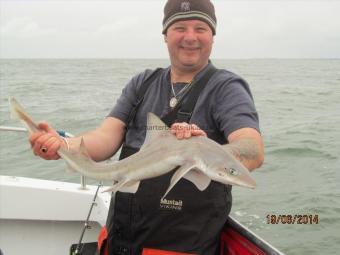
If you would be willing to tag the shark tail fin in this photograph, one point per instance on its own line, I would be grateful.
(124, 186)
(13, 114)
(17, 112)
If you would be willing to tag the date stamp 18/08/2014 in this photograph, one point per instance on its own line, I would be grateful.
(292, 219)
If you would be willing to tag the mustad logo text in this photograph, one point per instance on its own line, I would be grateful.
(171, 204)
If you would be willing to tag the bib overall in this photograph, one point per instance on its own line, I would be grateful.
(187, 220)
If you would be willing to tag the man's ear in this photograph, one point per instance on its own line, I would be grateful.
(165, 38)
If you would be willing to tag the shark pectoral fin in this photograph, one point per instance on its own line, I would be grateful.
(200, 180)
(130, 187)
(115, 187)
(182, 171)
(124, 186)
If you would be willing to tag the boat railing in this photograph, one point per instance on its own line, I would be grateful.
(61, 133)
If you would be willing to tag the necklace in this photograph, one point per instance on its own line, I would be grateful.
(176, 97)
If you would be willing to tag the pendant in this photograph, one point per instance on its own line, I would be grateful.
(173, 102)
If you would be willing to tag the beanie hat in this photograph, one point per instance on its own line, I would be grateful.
(176, 10)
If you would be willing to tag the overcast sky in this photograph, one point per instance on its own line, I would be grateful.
(132, 29)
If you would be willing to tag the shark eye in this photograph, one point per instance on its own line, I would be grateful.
(233, 171)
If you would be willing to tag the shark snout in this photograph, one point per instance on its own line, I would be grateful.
(246, 181)
(236, 176)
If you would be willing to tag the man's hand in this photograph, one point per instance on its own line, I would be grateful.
(46, 142)
(184, 130)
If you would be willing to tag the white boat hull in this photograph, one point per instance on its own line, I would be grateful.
(46, 217)
(42, 237)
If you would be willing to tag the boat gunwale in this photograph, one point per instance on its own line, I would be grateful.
(251, 236)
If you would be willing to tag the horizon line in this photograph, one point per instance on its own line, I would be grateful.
(138, 58)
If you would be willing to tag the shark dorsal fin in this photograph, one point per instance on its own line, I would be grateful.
(156, 128)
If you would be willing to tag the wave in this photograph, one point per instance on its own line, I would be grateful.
(300, 152)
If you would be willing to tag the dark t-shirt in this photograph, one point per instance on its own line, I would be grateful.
(224, 105)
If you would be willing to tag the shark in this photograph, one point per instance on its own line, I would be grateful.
(197, 159)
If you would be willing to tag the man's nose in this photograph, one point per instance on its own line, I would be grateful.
(190, 35)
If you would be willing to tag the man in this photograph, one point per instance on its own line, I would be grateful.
(188, 221)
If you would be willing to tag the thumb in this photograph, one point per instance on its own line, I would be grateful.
(44, 126)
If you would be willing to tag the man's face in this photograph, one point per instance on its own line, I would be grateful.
(189, 44)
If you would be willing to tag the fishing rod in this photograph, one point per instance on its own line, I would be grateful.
(16, 129)
(79, 248)
(21, 129)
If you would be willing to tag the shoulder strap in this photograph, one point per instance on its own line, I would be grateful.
(141, 93)
(127, 151)
(183, 111)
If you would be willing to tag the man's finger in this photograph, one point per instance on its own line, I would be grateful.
(179, 134)
(197, 131)
(53, 146)
(45, 127)
(40, 143)
(187, 133)
(33, 137)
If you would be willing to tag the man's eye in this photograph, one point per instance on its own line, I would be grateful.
(201, 29)
(179, 28)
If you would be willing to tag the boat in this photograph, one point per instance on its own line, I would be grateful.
(47, 217)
